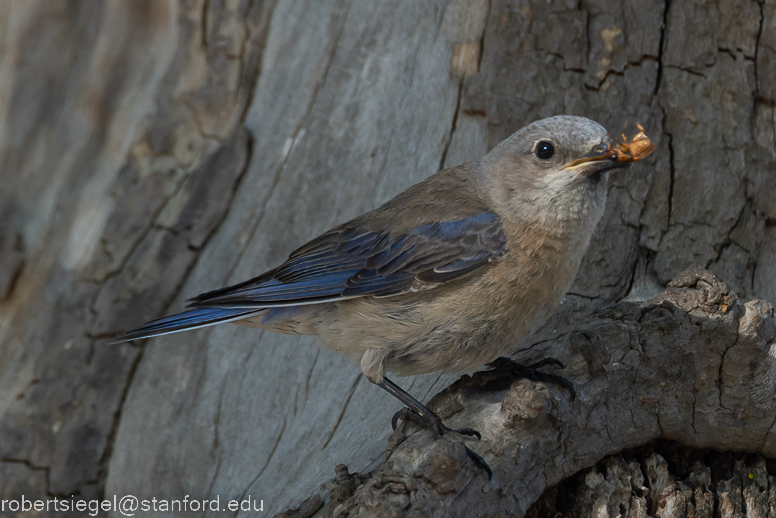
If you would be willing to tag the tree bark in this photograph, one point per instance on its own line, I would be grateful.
(154, 150)
(693, 365)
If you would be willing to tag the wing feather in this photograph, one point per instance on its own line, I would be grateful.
(348, 262)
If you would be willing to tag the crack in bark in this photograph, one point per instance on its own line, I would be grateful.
(588, 32)
(719, 378)
(241, 60)
(559, 56)
(344, 408)
(663, 43)
(217, 417)
(203, 24)
(767, 433)
(690, 70)
(608, 433)
(659, 422)
(253, 81)
(672, 177)
(46, 475)
(142, 236)
(482, 36)
(719, 248)
(104, 462)
(180, 181)
(729, 52)
(453, 125)
(306, 390)
(216, 442)
(266, 465)
(621, 73)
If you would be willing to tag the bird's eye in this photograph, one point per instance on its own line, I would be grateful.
(544, 150)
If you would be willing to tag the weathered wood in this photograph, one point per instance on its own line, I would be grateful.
(692, 365)
(667, 480)
(153, 150)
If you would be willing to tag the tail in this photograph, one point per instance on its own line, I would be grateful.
(185, 321)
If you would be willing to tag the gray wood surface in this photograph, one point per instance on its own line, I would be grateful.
(693, 365)
(153, 150)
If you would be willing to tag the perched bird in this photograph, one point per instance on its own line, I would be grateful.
(449, 275)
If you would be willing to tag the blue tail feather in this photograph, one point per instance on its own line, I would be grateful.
(192, 319)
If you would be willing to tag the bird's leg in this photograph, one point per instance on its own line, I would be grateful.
(516, 370)
(419, 414)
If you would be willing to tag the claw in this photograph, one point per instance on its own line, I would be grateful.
(522, 371)
(401, 414)
(432, 421)
(468, 431)
(479, 461)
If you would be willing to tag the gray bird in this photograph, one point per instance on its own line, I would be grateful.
(449, 275)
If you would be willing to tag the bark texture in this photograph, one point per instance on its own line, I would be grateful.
(152, 150)
(665, 479)
(692, 365)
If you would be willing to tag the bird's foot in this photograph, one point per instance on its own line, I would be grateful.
(531, 372)
(434, 422)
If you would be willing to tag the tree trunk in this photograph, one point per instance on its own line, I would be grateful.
(153, 150)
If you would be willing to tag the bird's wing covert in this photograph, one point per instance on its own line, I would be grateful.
(350, 262)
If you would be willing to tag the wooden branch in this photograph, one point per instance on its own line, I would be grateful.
(694, 365)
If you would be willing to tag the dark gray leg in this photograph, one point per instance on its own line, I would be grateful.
(419, 414)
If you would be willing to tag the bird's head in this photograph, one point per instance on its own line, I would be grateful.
(554, 167)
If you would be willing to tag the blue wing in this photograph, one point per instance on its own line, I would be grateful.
(345, 263)
(348, 262)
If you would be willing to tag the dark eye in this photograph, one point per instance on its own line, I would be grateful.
(545, 150)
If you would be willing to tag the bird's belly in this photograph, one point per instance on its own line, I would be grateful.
(452, 328)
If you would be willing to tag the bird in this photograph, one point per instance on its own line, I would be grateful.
(451, 274)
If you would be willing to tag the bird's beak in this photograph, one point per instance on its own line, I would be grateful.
(613, 153)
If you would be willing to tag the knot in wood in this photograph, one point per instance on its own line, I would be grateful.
(526, 400)
(445, 465)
